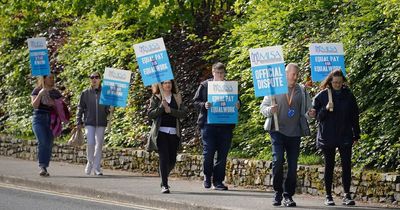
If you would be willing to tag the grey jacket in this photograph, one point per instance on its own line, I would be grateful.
(90, 110)
(155, 111)
(265, 109)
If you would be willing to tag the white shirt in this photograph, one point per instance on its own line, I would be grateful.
(168, 130)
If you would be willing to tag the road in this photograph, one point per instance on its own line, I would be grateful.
(20, 198)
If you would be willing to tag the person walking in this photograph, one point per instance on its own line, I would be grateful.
(215, 137)
(293, 109)
(166, 110)
(338, 127)
(43, 101)
(93, 116)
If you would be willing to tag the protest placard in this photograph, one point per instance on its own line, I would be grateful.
(153, 61)
(223, 96)
(39, 56)
(115, 87)
(325, 57)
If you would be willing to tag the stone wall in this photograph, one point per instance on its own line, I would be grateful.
(366, 185)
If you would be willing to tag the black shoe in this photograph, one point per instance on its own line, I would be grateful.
(347, 201)
(207, 182)
(276, 202)
(277, 199)
(164, 189)
(220, 186)
(288, 201)
(43, 172)
(329, 200)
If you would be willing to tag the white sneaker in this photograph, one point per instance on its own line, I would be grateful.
(98, 172)
(88, 168)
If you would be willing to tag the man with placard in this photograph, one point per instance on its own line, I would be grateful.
(39, 56)
(275, 82)
(217, 102)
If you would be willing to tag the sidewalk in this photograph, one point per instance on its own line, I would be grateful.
(144, 189)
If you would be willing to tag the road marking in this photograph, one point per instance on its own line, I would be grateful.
(78, 197)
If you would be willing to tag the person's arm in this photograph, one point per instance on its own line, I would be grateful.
(179, 113)
(81, 110)
(309, 112)
(320, 108)
(265, 107)
(156, 108)
(199, 101)
(36, 99)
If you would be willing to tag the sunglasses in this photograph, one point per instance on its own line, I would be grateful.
(94, 77)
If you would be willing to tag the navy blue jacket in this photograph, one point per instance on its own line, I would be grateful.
(340, 127)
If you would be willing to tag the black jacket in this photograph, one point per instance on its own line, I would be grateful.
(200, 99)
(90, 110)
(340, 127)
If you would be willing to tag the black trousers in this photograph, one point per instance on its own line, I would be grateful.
(167, 149)
(345, 156)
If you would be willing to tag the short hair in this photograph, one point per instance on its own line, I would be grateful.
(96, 73)
(294, 65)
(218, 66)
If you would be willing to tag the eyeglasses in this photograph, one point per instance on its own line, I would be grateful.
(94, 77)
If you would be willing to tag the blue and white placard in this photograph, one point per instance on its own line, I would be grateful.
(39, 56)
(153, 61)
(268, 70)
(115, 87)
(324, 58)
(223, 96)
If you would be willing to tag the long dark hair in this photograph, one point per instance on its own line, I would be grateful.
(328, 80)
(156, 90)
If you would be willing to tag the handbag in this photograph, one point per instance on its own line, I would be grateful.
(77, 138)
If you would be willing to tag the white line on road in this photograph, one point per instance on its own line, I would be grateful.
(78, 197)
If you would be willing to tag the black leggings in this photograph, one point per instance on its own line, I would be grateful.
(167, 149)
(345, 156)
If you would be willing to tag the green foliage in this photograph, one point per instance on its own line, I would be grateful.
(370, 33)
(92, 35)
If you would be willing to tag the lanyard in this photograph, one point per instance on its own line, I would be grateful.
(289, 100)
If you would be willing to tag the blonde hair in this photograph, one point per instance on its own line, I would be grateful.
(40, 80)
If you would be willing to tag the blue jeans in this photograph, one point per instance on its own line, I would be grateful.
(280, 144)
(44, 136)
(215, 139)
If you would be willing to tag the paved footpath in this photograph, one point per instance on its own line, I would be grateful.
(145, 189)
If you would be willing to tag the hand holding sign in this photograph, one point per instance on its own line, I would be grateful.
(207, 105)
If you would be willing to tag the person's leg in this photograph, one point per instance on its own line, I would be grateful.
(98, 152)
(329, 159)
(209, 147)
(90, 135)
(277, 166)
(162, 145)
(292, 147)
(223, 144)
(41, 129)
(345, 156)
(173, 145)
